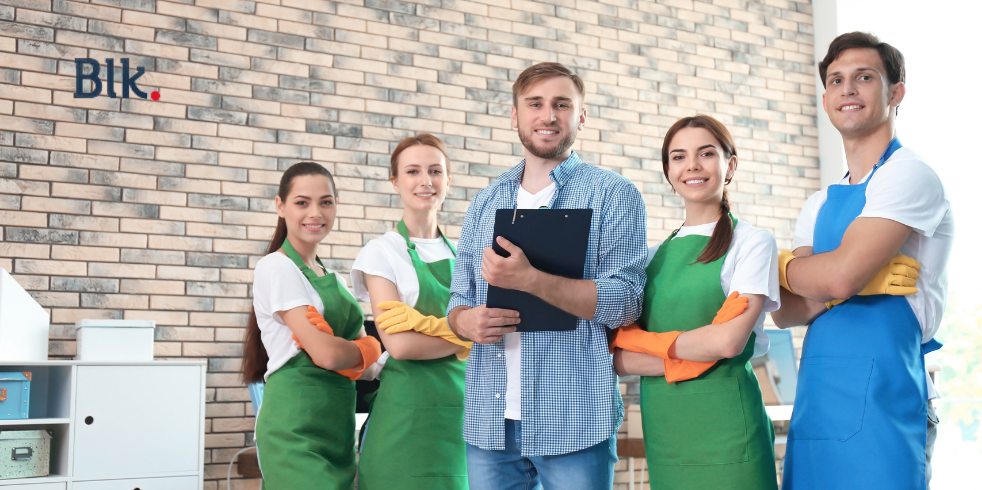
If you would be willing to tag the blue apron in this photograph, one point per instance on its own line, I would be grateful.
(860, 412)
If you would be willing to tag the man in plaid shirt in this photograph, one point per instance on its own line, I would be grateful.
(543, 407)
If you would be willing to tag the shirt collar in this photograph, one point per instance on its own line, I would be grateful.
(559, 175)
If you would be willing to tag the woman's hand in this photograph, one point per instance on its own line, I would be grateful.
(407, 344)
(326, 350)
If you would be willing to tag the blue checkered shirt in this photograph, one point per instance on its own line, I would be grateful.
(570, 398)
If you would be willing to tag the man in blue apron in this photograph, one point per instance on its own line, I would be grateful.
(862, 414)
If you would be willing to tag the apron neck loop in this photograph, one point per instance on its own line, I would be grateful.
(676, 232)
(295, 257)
(887, 153)
(891, 149)
(401, 227)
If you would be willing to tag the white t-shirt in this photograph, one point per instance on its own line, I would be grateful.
(513, 341)
(388, 257)
(908, 191)
(750, 267)
(278, 285)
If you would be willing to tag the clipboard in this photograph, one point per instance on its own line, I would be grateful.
(555, 242)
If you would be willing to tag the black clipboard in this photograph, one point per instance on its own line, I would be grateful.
(555, 242)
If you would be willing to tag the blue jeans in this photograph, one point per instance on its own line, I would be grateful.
(587, 469)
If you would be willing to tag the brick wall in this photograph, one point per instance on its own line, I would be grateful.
(129, 208)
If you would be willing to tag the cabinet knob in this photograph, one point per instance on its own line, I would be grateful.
(88, 421)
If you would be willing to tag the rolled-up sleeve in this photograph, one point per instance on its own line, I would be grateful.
(623, 250)
(463, 287)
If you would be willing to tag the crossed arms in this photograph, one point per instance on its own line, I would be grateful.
(867, 245)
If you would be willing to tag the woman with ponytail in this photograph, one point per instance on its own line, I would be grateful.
(414, 438)
(709, 287)
(306, 339)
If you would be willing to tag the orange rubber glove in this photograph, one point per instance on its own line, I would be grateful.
(681, 369)
(634, 339)
(732, 308)
(370, 349)
(317, 320)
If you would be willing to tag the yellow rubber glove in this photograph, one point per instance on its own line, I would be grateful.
(897, 278)
(783, 257)
(399, 317)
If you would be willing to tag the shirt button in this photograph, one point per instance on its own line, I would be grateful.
(499, 354)
(497, 395)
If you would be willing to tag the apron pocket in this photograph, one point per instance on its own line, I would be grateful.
(831, 399)
(697, 422)
(439, 442)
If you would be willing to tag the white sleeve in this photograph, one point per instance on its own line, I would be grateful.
(804, 228)
(279, 284)
(375, 260)
(651, 253)
(908, 192)
(755, 269)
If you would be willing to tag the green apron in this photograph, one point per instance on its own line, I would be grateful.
(414, 438)
(711, 431)
(305, 429)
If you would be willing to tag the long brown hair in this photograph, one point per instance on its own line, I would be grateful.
(254, 355)
(719, 242)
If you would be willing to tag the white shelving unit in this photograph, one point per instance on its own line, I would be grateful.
(116, 426)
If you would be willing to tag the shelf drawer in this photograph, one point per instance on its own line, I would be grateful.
(173, 483)
(137, 420)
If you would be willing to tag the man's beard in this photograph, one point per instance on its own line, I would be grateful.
(547, 153)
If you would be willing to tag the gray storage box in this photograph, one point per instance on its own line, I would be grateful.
(24, 453)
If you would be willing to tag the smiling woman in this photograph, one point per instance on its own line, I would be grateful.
(306, 340)
(695, 360)
(405, 276)
(699, 164)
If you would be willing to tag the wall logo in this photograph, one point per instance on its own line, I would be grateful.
(129, 83)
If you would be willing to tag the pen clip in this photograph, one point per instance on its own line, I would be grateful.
(514, 212)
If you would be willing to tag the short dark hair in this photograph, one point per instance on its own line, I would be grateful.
(542, 71)
(893, 59)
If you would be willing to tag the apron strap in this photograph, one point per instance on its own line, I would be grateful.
(295, 257)
(930, 346)
(670, 237)
(401, 227)
(887, 153)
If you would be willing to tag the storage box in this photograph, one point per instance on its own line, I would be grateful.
(15, 396)
(114, 340)
(24, 453)
(23, 323)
